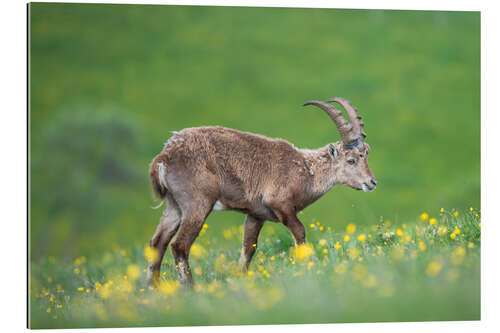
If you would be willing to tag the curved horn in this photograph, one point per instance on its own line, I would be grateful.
(345, 128)
(352, 113)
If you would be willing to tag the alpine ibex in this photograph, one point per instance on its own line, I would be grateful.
(214, 168)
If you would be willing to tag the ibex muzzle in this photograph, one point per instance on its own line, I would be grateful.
(214, 168)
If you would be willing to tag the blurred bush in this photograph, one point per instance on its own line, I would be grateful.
(87, 154)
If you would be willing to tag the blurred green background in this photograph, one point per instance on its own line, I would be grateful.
(108, 84)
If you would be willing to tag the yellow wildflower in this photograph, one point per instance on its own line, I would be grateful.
(321, 228)
(422, 246)
(80, 288)
(351, 228)
(346, 238)
(442, 230)
(362, 237)
(370, 281)
(353, 253)
(455, 213)
(325, 251)
(133, 272)
(169, 288)
(442, 210)
(399, 232)
(312, 225)
(433, 268)
(227, 234)
(457, 256)
(303, 251)
(407, 238)
(432, 221)
(197, 251)
(150, 254)
(359, 272)
(322, 242)
(424, 216)
(457, 230)
(250, 273)
(470, 245)
(341, 268)
(337, 245)
(453, 235)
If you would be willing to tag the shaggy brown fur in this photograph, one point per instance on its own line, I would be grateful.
(214, 168)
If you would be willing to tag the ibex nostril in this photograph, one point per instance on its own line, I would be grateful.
(374, 181)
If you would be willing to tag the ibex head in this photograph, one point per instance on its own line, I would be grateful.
(349, 155)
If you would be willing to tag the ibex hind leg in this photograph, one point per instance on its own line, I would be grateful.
(168, 226)
(193, 217)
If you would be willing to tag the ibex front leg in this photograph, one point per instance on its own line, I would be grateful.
(250, 236)
(288, 217)
(296, 228)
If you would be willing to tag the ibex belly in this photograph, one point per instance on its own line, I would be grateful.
(255, 208)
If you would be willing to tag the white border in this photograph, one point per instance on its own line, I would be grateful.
(13, 172)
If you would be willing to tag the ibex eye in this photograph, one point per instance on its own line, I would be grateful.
(351, 162)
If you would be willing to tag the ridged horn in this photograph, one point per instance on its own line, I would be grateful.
(352, 113)
(345, 129)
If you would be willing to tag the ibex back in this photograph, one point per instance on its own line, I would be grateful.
(214, 168)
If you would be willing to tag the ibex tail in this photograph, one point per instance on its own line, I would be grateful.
(157, 174)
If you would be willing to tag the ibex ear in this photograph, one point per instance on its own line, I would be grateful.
(332, 151)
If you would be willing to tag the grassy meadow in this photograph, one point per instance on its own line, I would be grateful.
(424, 270)
(109, 83)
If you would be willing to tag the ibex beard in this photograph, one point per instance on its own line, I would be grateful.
(214, 168)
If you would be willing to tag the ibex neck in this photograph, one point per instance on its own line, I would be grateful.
(321, 169)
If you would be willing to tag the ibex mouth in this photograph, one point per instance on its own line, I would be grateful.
(367, 188)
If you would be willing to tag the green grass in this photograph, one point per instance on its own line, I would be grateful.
(416, 271)
(109, 82)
